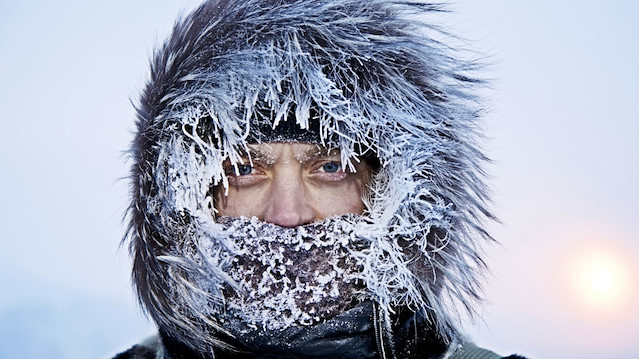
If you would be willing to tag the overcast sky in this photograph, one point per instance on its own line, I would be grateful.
(562, 128)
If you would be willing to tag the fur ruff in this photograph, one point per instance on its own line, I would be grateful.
(379, 79)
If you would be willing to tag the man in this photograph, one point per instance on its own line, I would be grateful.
(306, 184)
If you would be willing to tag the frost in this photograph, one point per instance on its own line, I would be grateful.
(289, 276)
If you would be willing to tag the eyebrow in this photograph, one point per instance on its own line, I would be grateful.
(314, 153)
(265, 156)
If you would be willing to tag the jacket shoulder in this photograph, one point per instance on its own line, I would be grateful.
(151, 348)
(471, 351)
(136, 352)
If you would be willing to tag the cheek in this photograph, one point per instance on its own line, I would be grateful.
(340, 200)
(237, 203)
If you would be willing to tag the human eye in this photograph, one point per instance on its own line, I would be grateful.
(330, 167)
(329, 171)
(243, 174)
(243, 170)
(238, 170)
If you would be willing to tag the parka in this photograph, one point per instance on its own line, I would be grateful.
(375, 79)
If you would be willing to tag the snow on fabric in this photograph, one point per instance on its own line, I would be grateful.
(282, 276)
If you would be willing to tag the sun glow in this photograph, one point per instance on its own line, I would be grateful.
(602, 280)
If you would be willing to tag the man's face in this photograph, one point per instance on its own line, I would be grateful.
(291, 184)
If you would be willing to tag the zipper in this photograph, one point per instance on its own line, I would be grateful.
(378, 338)
(378, 324)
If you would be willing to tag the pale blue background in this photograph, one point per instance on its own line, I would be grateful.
(562, 131)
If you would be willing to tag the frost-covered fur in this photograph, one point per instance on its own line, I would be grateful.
(378, 78)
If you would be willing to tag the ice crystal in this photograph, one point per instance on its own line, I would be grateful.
(289, 276)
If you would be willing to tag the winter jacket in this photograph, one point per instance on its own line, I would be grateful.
(152, 348)
(372, 78)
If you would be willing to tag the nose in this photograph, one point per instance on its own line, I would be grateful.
(288, 202)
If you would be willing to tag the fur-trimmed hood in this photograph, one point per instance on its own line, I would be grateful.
(372, 76)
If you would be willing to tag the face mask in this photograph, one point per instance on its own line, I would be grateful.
(275, 277)
(287, 276)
